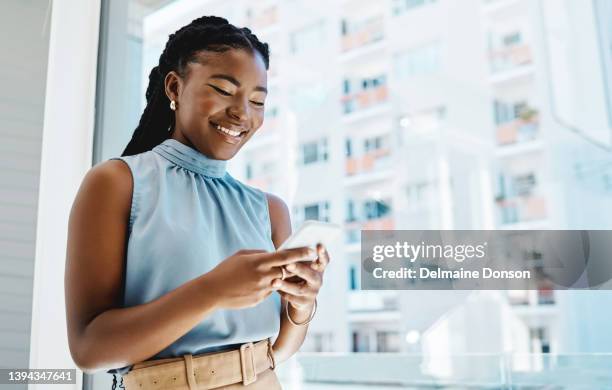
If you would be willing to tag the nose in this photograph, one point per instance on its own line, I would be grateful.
(239, 110)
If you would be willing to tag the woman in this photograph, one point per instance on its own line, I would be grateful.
(171, 263)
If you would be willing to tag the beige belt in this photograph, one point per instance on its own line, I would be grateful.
(204, 371)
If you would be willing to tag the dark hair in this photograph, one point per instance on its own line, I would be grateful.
(210, 33)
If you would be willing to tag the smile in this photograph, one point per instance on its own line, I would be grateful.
(232, 133)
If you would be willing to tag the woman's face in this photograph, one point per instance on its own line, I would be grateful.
(222, 92)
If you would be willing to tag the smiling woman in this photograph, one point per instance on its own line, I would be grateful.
(172, 277)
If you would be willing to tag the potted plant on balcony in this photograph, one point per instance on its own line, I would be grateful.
(527, 124)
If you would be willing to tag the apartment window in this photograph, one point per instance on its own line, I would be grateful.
(348, 147)
(307, 38)
(401, 6)
(376, 209)
(508, 111)
(314, 151)
(512, 39)
(317, 211)
(346, 86)
(374, 143)
(361, 341)
(387, 341)
(524, 184)
(540, 342)
(350, 211)
(419, 61)
(321, 341)
(353, 277)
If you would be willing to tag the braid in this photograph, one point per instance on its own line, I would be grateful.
(209, 33)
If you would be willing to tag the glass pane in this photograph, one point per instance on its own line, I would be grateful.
(498, 116)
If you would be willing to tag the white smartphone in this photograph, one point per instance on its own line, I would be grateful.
(310, 233)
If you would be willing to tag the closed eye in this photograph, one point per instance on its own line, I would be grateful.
(257, 103)
(221, 91)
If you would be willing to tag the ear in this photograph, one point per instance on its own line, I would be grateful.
(173, 84)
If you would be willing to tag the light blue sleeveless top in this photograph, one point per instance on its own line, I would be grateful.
(188, 214)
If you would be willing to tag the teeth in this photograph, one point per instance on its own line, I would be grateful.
(228, 131)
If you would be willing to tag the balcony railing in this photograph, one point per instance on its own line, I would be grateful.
(369, 162)
(522, 209)
(365, 99)
(510, 58)
(367, 32)
(518, 131)
(339, 371)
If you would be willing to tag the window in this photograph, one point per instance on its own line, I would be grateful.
(348, 147)
(387, 341)
(361, 341)
(316, 211)
(418, 61)
(512, 39)
(401, 6)
(321, 341)
(376, 209)
(350, 211)
(315, 151)
(505, 112)
(352, 277)
(375, 143)
(307, 38)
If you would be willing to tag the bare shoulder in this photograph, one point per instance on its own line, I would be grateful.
(96, 245)
(280, 219)
(109, 183)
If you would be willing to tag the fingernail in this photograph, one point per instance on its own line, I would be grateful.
(290, 267)
(276, 283)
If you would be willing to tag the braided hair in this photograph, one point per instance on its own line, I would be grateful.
(210, 33)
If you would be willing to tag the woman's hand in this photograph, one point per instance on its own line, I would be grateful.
(245, 278)
(301, 295)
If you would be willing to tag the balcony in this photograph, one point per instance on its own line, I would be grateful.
(363, 34)
(510, 58)
(520, 130)
(521, 209)
(369, 162)
(365, 99)
(360, 371)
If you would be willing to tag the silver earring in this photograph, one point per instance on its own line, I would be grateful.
(173, 105)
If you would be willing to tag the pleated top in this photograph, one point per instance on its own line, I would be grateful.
(188, 214)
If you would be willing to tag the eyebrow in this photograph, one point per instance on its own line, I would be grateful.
(236, 82)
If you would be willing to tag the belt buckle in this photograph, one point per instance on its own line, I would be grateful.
(247, 353)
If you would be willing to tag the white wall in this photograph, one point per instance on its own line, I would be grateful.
(24, 67)
(68, 126)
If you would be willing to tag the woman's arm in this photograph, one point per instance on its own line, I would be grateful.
(290, 337)
(102, 335)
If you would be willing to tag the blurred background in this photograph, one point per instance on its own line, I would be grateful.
(391, 114)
